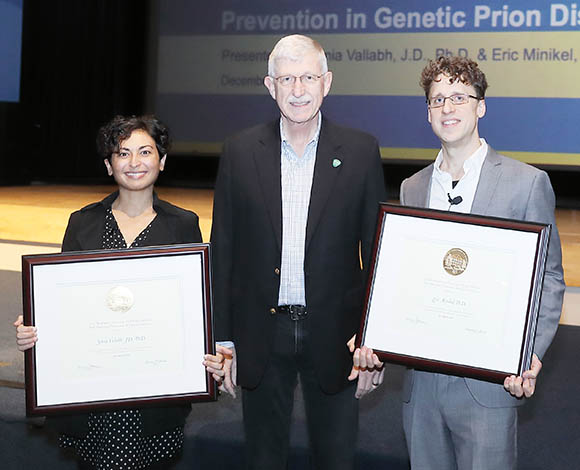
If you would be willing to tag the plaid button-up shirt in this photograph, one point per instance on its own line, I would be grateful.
(296, 173)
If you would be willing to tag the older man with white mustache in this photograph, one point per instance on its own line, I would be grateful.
(295, 207)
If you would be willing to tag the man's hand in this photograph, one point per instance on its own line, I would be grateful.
(526, 384)
(366, 367)
(26, 336)
(223, 368)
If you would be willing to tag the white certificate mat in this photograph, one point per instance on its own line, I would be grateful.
(454, 292)
(118, 329)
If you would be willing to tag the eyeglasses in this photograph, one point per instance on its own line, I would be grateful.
(457, 99)
(290, 80)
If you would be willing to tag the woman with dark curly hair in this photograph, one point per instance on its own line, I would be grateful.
(134, 150)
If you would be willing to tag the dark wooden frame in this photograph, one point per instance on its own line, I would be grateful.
(543, 235)
(28, 263)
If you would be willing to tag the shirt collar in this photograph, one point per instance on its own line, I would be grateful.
(314, 138)
(473, 163)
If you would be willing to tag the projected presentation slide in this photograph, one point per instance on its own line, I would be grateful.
(212, 58)
(10, 47)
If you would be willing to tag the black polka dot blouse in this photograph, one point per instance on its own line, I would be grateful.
(115, 439)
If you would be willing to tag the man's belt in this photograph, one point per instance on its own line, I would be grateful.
(295, 312)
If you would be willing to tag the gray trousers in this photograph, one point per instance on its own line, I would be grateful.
(446, 429)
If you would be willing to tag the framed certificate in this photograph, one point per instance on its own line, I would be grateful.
(118, 328)
(454, 293)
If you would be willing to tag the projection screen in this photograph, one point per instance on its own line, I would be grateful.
(211, 58)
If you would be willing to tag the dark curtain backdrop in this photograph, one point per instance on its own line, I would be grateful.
(83, 61)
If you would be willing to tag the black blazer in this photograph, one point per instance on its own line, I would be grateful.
(247, 239)
(85, 232)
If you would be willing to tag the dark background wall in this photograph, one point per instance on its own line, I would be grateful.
(82, 63)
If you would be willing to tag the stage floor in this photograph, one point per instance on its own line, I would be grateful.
(39, 214)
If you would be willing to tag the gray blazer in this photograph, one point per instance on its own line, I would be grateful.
(510, 189)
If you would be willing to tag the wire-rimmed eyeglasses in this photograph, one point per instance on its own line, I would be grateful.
(457, 99)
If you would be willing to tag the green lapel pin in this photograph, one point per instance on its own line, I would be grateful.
(336, 163)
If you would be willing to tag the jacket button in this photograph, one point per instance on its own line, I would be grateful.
(272, 311)
(277, 271)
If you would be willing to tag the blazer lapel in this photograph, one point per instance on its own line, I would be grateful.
(91, 233)
(488, 181)
(419, 196)
(164, 231)
(267, 159)
(328, 165)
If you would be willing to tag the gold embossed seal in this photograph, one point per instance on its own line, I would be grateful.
(455, 261)
(119, 299)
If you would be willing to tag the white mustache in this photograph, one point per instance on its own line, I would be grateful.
(302, 100)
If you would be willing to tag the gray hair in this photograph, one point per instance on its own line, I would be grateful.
(294, 48)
